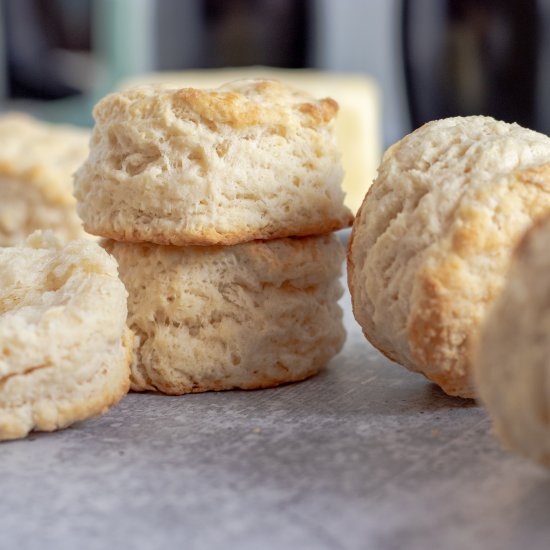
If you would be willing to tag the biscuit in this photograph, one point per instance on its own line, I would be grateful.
(357, 125)
(248, 316)
(512, 366)
(64, 346)
(432, 240)
(253, 159)
(37, 162)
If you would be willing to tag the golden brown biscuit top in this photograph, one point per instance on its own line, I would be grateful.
(238, 104)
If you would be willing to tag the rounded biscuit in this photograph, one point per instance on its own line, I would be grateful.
(65, 349)
(37, 163)
(253, 159)
(433, 238)
(248, 316)
(512, 356)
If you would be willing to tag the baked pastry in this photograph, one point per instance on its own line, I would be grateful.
(357, 124)
(432, 240)
(248, 316)
(37, 162)
(65, 349)
(253, 159)
(512, 367)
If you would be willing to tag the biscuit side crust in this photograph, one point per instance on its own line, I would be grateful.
(250, 316)
(23, 210)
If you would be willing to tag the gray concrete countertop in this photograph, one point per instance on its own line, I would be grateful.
(364, 456)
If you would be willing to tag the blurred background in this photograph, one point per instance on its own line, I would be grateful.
(429, 58)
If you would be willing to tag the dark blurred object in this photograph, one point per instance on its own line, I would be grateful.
(465, 57)
(47, 43)
(257, 32)
(234, 33)
(55, 49)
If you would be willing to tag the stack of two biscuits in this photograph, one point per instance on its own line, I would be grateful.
(218, 206)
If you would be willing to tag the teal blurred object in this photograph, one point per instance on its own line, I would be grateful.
(123, 35)
(123, 44)
(63, 55)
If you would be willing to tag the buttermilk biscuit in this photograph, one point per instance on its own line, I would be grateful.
(248, 316)
(432, 240)
(253, 159)
(512, 367)
(64, 345)
(37, 162)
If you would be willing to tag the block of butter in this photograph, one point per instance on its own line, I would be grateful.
(357, 126)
